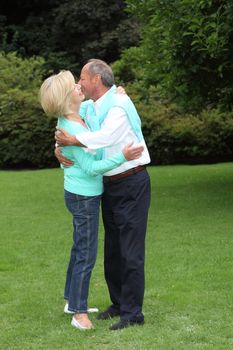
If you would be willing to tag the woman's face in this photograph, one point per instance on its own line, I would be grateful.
(77, 96)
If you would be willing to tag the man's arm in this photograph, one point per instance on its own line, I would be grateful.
(63, 138)
(110, 133)
(115, 129)
(62, 160)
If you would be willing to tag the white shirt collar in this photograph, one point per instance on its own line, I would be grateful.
(99, 102)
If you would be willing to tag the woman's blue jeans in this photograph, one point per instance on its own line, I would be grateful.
(85, 211)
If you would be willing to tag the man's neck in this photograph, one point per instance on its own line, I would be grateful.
(100, 92)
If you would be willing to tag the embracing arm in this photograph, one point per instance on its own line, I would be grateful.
(63, 138)
(93, 167)
(62, 160)
(114, 130)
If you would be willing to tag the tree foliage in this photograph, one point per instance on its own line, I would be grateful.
(67, 33)
(188, 50)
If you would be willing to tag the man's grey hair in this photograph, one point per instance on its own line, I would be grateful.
(100, 67)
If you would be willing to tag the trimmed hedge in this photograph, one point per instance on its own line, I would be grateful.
(176, 138)
(206, 138)
(188, 139)
(26, 134)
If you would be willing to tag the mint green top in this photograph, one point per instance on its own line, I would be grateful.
(85, 176)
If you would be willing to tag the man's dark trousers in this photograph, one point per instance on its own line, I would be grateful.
(125, 205)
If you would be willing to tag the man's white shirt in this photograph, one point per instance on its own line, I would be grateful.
(115, 133)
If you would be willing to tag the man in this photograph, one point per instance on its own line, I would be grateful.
(126, 198)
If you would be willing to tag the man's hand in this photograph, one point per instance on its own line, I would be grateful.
(64, 161)
(130, 152)
(64, 139)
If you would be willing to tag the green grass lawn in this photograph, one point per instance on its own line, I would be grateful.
(189, 264)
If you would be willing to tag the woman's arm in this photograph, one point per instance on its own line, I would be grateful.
(93, 167)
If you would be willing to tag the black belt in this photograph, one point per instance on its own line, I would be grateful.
(126, 173)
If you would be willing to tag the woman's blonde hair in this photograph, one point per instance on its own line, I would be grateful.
(55, 93)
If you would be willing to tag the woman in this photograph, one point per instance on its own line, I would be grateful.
(60, 96)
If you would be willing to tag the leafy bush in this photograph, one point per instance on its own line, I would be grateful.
(203, 138)
(26, 134)
(173, 137)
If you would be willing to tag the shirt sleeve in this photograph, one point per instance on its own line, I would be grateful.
(113, 130)
(86, 161)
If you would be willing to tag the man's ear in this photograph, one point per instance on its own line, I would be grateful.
(97, 78)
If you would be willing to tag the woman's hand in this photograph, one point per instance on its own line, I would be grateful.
(120, 90)
(132, 152)
(63, 160)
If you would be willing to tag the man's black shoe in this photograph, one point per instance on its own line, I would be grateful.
(107, 314)
(126, 323)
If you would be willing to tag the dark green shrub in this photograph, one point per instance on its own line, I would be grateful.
(173, 137)
(26, 134)
(188, 139)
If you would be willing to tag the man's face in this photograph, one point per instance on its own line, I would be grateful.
(87, 82)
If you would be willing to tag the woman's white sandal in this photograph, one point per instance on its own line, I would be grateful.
(75, 323)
